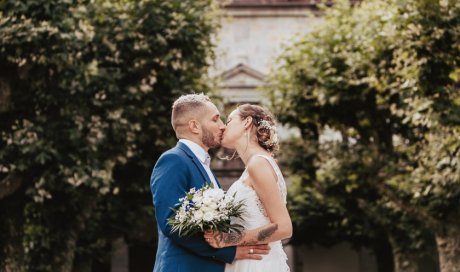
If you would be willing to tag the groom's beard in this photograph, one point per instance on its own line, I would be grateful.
(208, 139)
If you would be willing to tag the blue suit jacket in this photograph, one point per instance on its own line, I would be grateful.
(175, 173)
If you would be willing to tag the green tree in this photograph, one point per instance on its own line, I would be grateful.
(86, 92)
(380, 74)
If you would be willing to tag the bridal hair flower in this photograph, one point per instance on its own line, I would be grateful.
(273, 139)
(265, 124)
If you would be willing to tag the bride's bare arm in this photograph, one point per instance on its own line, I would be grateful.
(264, 181)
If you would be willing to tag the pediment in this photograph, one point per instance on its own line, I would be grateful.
(242, 76)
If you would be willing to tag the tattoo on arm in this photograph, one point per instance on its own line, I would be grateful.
(232, 238)
(264, 234)
(227, 239)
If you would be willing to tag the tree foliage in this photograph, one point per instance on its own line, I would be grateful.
(373, 92)
(87, 88)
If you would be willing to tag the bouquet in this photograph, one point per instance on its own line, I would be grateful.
(205, 209)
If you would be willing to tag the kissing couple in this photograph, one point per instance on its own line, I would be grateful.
(251, 131)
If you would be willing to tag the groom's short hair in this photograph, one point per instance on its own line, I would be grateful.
(186, 108)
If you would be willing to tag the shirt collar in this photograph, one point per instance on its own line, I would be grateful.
(199, 152)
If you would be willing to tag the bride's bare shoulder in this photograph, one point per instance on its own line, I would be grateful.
(260, 169)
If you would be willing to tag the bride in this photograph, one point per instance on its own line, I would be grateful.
(251, 132)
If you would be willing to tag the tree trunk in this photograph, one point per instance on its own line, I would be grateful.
(9, 185)
(82, 264)
(63, 260)
(402, 262)
(383, 255)
(65, 255)
(448, 244)
(5, 95)
(11, 228)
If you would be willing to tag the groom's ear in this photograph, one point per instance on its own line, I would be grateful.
(194, 126)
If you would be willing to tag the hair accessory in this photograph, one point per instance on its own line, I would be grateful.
(273, 140)
(265, 124)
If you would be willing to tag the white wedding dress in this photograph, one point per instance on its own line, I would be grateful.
(254, 217)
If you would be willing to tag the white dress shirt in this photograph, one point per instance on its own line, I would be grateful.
(203, 157)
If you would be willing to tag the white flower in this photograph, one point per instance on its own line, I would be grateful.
(213, 193)
(274, 138)
(209, 216)
(198, 215)
(213, 206)
(265, 124)
(209, 198)
(197, 199)
(207, 201)
(205, 209)
(181, 216)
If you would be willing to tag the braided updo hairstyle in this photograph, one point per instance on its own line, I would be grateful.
(265, 125)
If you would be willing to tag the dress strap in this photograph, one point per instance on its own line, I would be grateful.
(280, 179)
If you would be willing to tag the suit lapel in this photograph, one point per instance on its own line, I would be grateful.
(217, 181)
(197, 163)
(195, 160)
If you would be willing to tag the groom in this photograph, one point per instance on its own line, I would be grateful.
(197, 124)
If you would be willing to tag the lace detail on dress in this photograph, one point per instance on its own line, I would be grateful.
(261, 207)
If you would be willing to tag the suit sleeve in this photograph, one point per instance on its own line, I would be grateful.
(168, 183)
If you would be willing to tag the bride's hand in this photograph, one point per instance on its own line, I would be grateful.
(214, 238)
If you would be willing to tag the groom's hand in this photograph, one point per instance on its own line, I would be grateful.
(251, 252)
